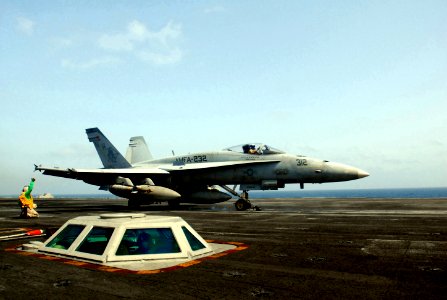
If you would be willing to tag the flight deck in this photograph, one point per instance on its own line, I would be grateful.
(295, 248)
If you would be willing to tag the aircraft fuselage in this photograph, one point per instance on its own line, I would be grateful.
(277, 170)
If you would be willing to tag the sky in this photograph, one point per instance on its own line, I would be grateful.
(358, 82)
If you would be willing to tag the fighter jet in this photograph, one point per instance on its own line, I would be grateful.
(194, 178)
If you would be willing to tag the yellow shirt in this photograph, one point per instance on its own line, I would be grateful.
(26, 202)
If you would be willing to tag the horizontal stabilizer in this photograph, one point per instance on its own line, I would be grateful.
(103, 176)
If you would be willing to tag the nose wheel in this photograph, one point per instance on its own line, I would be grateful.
(242, 203)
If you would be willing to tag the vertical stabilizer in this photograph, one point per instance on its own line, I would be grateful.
(110, 157)
(138, 150)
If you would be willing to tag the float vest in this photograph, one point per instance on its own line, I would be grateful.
(25, 201)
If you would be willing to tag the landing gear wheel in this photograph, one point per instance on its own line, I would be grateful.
(242, 204)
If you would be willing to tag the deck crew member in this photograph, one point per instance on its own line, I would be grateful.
(27, 202)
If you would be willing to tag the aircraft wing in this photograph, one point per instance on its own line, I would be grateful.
(108, 176)
(126, 172)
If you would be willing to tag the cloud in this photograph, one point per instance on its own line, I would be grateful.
(137, 31)
(104, 61)
(25, 25)
(136, 40)
(156, 47)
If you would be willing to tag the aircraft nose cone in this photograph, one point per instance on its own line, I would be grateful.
(362, 173)
(341, 172)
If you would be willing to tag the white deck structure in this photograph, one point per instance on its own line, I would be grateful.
(128, 241)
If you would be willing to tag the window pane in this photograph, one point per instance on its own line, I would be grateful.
(192, 240)
(148, 241)
(66, 237)
(96, 241)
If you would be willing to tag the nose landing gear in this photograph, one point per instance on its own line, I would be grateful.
(242, 203)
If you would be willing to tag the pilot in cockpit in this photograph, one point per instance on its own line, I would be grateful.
(249, 149)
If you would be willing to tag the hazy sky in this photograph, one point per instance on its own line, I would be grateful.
(358, 82)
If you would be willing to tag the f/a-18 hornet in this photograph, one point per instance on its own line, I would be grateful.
(193, 178)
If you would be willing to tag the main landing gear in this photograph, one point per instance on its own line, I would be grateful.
(242, 203)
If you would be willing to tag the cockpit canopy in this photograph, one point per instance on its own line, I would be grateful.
(254, 148)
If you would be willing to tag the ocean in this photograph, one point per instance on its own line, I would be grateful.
(357, 193)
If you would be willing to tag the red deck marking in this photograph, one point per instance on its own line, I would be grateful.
(92, 266)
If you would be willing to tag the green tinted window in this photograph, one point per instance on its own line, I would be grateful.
(148, 241)
(66, 237)
(192, 240)
(96, 241)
